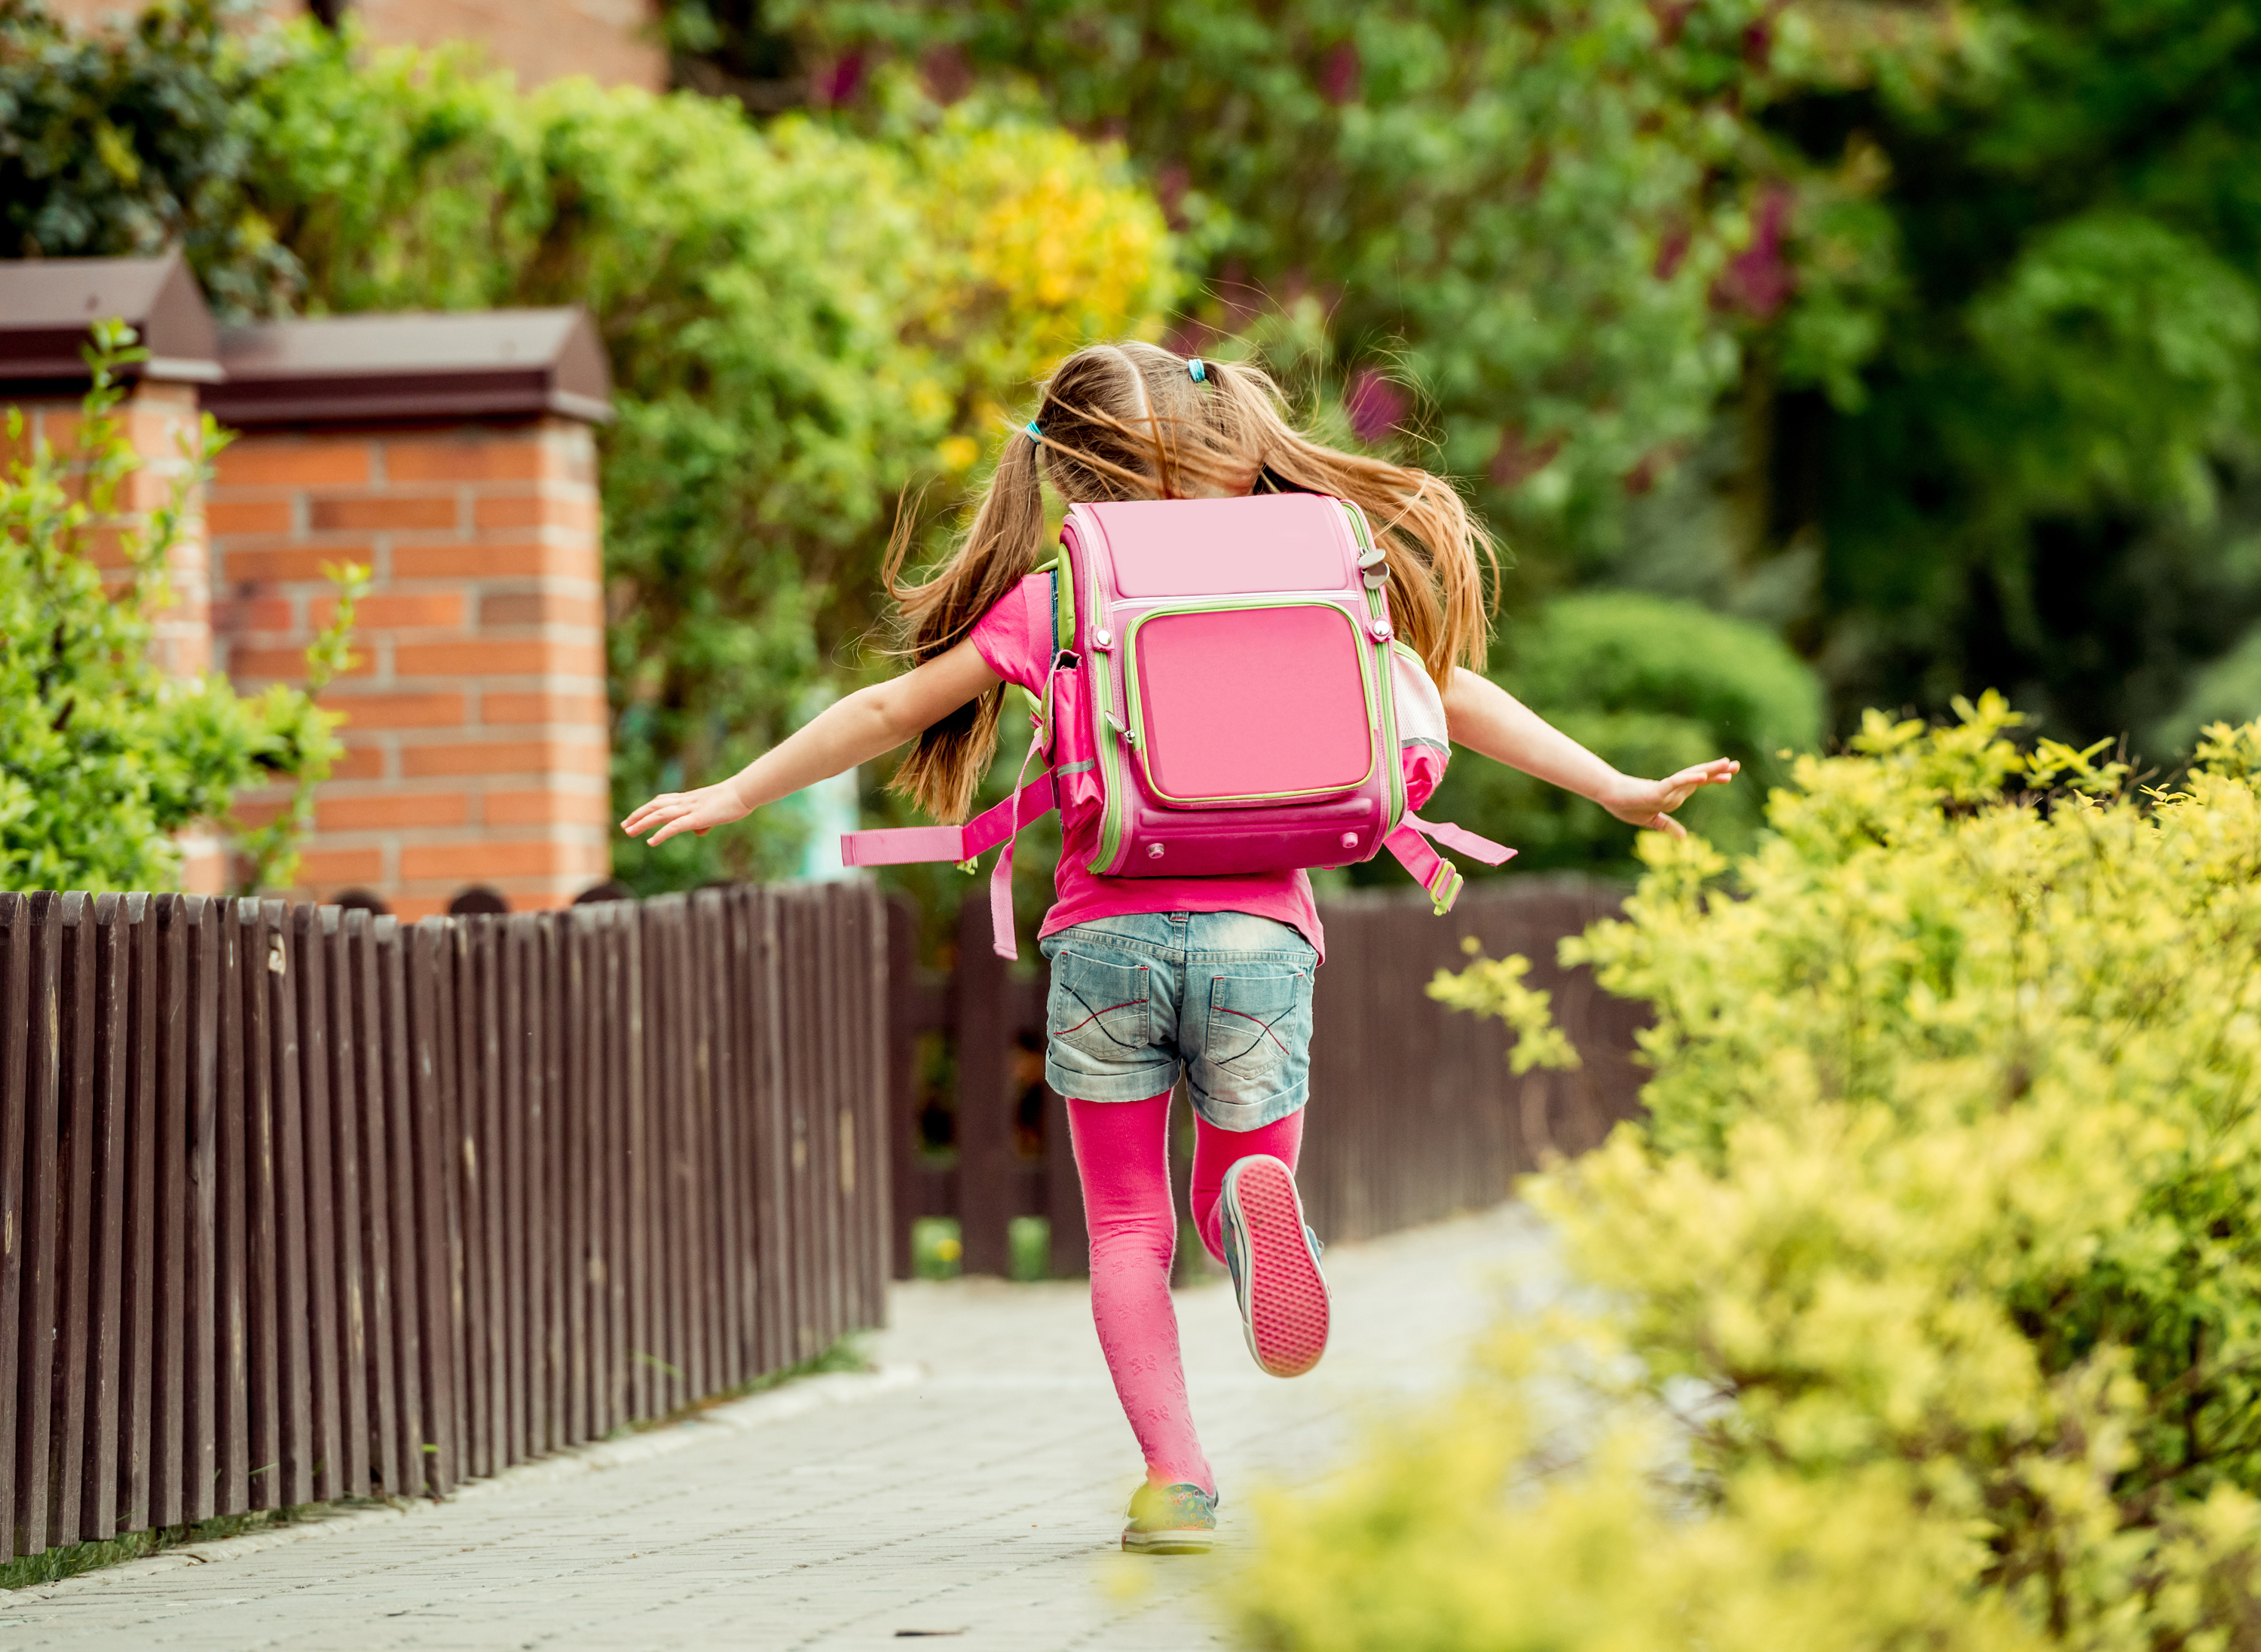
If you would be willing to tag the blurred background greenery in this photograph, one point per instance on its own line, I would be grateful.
(1807, 355)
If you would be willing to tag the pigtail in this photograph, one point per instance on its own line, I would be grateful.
(1000, 550)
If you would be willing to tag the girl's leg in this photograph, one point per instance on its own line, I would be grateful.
(1123, 1157)
(1215, 1151)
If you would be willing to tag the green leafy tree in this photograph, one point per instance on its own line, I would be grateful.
(123, 145)
(2043, 473)
(1922, 333)
(1522, 212)
(104, 757)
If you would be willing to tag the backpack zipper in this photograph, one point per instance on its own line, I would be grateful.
(1136, 735)
(1374, 668)
(1104, 737)
(1377, 608)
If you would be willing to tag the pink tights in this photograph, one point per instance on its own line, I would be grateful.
(1122, 1153)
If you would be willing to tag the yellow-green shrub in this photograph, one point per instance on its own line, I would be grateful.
(1931, 1290)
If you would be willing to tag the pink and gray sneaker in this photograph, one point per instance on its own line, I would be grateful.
(1274, 1260)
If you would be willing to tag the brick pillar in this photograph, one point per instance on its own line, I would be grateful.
(477, 732)
(162, 421)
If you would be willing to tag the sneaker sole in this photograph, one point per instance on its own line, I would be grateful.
(1169, 1543)
(1287, 1307)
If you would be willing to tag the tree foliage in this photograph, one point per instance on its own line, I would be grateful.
(123, 145)
(1524, 212)
(1922, 332)
(802, 324)
(1930, 1298)
(2044, 474)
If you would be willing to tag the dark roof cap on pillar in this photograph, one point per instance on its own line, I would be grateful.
(48, 305)
(356, 369)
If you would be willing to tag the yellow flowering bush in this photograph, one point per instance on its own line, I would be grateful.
(1929, 1295)
(1037, 241)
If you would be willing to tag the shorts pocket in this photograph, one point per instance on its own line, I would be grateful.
(1258, 1024)
(1099, 1007)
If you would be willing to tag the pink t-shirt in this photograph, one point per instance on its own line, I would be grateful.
(1015, 638)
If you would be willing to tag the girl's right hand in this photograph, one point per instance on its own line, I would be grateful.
(700, 811)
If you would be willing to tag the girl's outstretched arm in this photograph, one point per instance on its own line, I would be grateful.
(1486, 719)
(863, 726)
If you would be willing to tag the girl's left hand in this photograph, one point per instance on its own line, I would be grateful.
(1650, 803)
(700, 811)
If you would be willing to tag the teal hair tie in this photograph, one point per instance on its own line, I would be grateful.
(1194, 366)
(1035, 434)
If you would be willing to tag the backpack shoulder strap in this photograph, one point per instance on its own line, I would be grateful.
(1410, 843)
(907, 845)
(965, 845)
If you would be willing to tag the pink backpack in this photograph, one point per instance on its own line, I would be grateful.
(1226, 695)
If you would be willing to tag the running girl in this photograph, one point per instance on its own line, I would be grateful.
(1139, 964)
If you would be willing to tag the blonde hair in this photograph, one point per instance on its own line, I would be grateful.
(1125, 421)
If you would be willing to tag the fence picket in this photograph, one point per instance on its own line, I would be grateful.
(73, 1150)
(773, 1243)
(424, 954)
(214, 1463)
(108, 1151)
(138, 1212)
(306, 989)
(15, 1038)
(34, 1392)
(582, 1324)
(362, 1111)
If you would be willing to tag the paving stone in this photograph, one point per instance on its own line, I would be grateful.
(974, 1491)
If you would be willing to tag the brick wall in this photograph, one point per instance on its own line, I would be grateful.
(538, 39)
(477, 732)
(158, 419)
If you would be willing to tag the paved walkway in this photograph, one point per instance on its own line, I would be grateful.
(971, 1487)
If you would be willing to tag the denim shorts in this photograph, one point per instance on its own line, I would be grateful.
(1223, 996)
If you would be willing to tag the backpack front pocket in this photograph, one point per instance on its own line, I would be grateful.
(1242, 703)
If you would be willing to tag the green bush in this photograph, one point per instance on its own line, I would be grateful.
(1929, 1295)
(103, 755)
(1652, 685)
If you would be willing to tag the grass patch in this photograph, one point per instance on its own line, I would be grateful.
(1029, 1247)
(27, 1571)
(847, 1355)
(939, 1252)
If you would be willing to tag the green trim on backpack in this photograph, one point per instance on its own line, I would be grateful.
(1062, 603)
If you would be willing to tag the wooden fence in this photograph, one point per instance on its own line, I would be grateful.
(1414, 1113)
(298, 1204)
